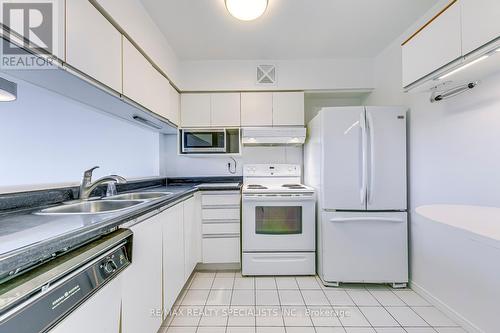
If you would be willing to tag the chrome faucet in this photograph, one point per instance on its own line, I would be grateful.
(87, 186)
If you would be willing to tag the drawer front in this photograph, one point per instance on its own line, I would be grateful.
(298, 263)
(221, 250)
(220, 200)
(220, 214)
(221, 229)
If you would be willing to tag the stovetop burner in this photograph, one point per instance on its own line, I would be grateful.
(294, 186)
(257, 187)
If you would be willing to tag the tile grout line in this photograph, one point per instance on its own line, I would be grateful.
(206, 301)
(280, 306)
(407, 305)
(390, 314)
(332, 306)
(230, 301)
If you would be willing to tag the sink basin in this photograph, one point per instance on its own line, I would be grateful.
(139, 196)
(91, 207)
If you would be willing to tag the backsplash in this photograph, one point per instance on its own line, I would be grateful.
(173, 165)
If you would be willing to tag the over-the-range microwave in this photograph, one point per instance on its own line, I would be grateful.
(204, 141)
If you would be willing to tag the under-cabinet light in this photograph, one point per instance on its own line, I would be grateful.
(8, 90)
(146, 122)
(463, 67)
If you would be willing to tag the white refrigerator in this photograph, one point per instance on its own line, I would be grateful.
(355, 158)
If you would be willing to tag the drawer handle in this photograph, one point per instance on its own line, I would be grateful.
(221, 206)
(214, 221)
(273, 259)
(222, 236)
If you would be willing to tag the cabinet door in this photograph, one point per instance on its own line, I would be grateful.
(288, 109)
(438, 44)
(141, 81)
(257, 109)
(100, 313)
(480, 23)
(226, 110)
(220, 250)
(161, 95)
(192, 236)
(175, 103)
(142, 280)
(195, 110)
(93, 45)
(173, 255)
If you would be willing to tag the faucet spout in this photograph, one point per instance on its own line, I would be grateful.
(87, 186)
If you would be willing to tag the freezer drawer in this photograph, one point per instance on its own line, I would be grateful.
(294, 263)
(369, 247)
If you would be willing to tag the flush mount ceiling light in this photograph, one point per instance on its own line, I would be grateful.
(246, 10)
(8, 90)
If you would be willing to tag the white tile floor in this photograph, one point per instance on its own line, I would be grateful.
(226, 302)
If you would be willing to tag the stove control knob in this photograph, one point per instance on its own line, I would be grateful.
(110, 266)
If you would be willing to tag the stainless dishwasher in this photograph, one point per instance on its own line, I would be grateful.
(39, 299)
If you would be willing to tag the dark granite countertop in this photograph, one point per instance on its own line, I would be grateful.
(27, 239)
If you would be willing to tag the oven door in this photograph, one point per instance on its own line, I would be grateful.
(282, 223)
(203, 141)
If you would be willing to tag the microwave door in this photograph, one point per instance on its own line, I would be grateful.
(203, 141)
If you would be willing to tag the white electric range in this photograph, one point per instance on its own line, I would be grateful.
(278, 221)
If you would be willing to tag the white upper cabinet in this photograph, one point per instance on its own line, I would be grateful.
(288, 109)
(138, 76)
(93, 45)
(246, 109)
(436, 45)
(480, 23)
(256, 109)
(142, 83)
(195, 110)
(175, 106)
(225, 110)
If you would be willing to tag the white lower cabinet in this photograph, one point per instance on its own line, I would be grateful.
(100, 313)
(166, 249)
(192, 234)
(142, 280)
(173, 255)
(221, 216)
(218, 250)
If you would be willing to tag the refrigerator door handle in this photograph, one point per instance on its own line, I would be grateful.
(365, 219)
(371, 131)
(364, 153)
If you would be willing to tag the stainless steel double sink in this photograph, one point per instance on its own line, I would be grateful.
(105, 205)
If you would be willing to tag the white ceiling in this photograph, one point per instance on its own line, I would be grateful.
(290, 29)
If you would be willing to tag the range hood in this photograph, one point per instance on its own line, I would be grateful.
(274, 136)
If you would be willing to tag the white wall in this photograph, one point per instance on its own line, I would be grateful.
(46, 138)
(135, 20)
(452, 159)
(292, 74)
(314, 102)
(172, 165)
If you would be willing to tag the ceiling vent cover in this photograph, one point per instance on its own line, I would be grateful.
(266, 74)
